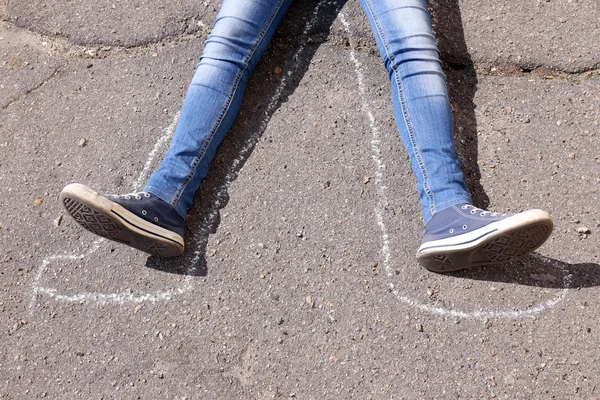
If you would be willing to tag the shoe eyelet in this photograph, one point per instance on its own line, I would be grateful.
(156, 219)
(451, 230)
(473, 211)
(146, 194)
(128, 197)
(464, 227)
(138, 197)
(483, 214)
(144, 212)
(465, 207)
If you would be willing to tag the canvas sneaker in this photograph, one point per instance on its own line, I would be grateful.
(140, 220)
(464, 236)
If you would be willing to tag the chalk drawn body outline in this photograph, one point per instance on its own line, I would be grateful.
(122, 298)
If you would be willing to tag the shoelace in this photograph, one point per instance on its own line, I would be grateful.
(475, 210)
(128, 196)
(482, 213)
(138, 196)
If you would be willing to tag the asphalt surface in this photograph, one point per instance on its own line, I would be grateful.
(299, 279)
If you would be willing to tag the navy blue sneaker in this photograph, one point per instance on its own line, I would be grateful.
(140, 220)
(464, 236)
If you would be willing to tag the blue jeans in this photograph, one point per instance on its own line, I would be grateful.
(241, 33)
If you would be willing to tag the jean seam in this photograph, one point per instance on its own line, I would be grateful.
(405, 114)
(234, 88)
(454, 200)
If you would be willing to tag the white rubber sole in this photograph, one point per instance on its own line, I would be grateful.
(108, 219)
(500, 242)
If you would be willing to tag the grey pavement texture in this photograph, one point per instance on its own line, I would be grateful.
(299, 279)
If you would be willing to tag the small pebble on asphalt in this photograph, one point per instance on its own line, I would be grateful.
(57, 221)
(584, 230)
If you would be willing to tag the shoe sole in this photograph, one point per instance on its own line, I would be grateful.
(510, 240)
(108, 219)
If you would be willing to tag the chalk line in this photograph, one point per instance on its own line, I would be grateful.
(104, 298)
(251, 141)
(385, 242)
(121, 298)
(137, 186)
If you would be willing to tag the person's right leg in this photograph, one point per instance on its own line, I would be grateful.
(152, 220)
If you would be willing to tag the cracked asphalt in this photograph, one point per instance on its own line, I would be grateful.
(299, 279)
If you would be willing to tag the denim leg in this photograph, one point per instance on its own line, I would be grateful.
(404, 37)
(240, 35)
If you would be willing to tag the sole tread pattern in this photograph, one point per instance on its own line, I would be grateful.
(103, 225)
(512, 247)
(503, 249)
(161, 250)
(92, 220)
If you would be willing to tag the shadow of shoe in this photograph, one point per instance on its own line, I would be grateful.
(538, 271)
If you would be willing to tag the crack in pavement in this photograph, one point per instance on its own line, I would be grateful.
(29, 91)
(63, 46)
(517, 71)
(199, 29)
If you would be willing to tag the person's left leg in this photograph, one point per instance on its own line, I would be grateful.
(405, 40)
(457, 235)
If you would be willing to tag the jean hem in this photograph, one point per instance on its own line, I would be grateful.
(427, 215)
(166, 198)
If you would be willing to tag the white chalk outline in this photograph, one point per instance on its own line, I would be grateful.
(251, 141)
(385, 242)
(122, 298)
(97, 297)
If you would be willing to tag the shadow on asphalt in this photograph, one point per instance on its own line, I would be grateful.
(204, 216)
(539, 271)
(534, 270)
(462, 85)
